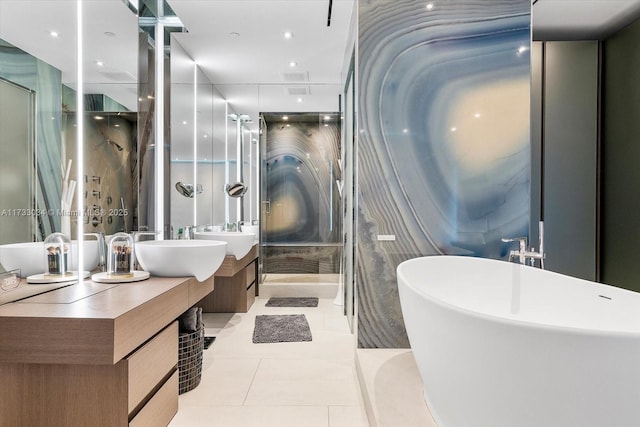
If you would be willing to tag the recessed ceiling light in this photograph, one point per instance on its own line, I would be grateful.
(429, 6)
(292, 64)
(326, 125)
(299, 99)
(184, 122)
(405, 130)
(54, 34)
(288, 125)
(117, 125)
(327, 118)
(453, 129)
(476, 115)
(98, 117)
(288, 35)
(285, 117)
(100, 63)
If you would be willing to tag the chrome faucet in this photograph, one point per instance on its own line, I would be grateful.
(520, 252)
(523, 254)
(136, 237)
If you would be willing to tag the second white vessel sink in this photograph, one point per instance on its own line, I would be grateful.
(238, 243)
(177, 258)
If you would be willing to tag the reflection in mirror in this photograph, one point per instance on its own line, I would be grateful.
(236, 189)
(37, 60)
(189, 190)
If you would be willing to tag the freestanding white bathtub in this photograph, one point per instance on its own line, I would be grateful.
(503, 345)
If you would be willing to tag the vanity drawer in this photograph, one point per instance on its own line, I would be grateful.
(251, 296)
(250, 271)
(161, 408)
(151, 363)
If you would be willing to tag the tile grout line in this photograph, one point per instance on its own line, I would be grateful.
(251, 384)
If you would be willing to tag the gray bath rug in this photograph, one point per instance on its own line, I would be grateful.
(292, 302)
(281, 328)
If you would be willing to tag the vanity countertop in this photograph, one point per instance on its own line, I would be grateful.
(93, 323)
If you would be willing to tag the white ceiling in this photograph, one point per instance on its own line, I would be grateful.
(240, 46)
(581, 19)
(249, 68)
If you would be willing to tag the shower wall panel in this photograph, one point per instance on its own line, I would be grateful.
(111, 170)
(443, 141)
(302, 168)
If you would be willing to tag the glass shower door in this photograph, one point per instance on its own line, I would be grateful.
(301, 217)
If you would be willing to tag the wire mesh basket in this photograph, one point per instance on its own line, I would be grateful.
(190, 349)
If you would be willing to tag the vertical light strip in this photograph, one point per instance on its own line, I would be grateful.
(159, 130)
(226, 160)
(79, 144)
(250, 175)
(239, 164)
(195, 143)
(257, 183)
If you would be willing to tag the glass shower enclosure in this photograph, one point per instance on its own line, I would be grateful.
(300, 213)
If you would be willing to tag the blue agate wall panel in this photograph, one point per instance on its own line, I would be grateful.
(302, 167)
(443, 141)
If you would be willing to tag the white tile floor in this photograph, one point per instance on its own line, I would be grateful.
(285, 384)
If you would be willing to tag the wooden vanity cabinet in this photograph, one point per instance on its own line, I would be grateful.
(97, 395)
(236, 285)
(88, 355)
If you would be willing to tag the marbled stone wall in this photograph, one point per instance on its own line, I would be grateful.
(300, 259)
(110, 167)
(443, 141)
(302, 166)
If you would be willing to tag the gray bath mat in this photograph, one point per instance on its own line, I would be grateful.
(281, 328)
(292, 302)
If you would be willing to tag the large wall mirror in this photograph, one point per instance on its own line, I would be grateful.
(68, 137)
(229, 64)
(38, 65)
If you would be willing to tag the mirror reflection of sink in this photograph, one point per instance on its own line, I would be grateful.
(29, 257)
(179, 258)
(238, 243)
(252, 229)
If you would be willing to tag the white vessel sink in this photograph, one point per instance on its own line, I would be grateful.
(178, 258)
(29, 257)
(238, 243)
(251, 229)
